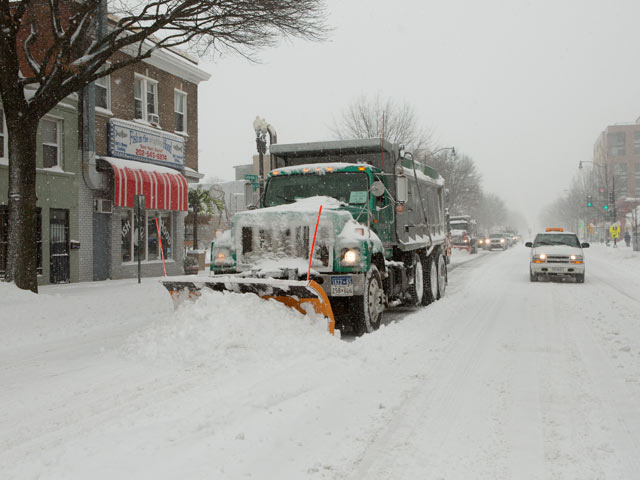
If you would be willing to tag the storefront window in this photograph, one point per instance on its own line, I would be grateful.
(153, 250)
(149, 236)
(126, 231)
(139, 250)
(166, 237)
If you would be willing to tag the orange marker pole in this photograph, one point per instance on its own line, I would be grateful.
(164, 266)
(313, 244)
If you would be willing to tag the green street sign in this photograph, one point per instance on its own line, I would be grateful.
(251, 178)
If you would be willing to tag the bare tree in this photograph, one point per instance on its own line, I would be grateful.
(462, 180)
(491, 212)
(364, 119)
(50, 49)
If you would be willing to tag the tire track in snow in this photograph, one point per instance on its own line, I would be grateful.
(441, 401)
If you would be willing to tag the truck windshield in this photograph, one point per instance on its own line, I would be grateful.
(347, 187)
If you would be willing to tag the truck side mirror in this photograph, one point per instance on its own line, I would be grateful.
(402, 189)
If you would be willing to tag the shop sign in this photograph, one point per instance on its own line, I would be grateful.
(133, 141)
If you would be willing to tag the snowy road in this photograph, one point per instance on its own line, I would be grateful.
(502, 379)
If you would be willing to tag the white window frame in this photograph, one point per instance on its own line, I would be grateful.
(179, 93)
(5, 137)
(145, 82)
(107, 86)
(58, 144)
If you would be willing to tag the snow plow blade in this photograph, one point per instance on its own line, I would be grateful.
(298, 294)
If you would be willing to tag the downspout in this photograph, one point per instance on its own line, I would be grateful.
(92, 178)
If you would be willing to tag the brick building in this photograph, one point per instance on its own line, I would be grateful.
(146, 142)
(616, 155)
(143, 131)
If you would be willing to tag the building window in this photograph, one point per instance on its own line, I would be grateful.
(149, 245)
(636, 143)
(636, 175)
(146, 99)
(616, 141)
(51, 134)
(126, 233)
(620, 176)
(103, 92)
(4, 239)
(3, 136)
(180, 111)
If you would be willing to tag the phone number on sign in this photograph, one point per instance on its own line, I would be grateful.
(156, 156)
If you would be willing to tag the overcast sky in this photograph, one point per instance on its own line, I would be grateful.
(522, 87)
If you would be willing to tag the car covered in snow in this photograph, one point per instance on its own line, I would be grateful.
(556, 253)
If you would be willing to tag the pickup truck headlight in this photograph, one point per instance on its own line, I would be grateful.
(350, 256)
(502, 240)
(576, 258)
(222, 257)
(539, 258)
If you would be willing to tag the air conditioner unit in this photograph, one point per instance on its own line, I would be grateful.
(103, 205)
(153, 118)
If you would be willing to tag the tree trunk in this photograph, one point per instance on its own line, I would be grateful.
(22, 250)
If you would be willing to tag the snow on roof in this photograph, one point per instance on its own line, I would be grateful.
(425, 178)
(318, 168)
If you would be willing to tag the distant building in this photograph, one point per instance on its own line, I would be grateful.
(616, 154)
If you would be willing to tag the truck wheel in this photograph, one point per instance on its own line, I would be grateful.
(442, 276)
(431, 291)
(580, 278)
(532, 277)
(416, 282)
(368, 308)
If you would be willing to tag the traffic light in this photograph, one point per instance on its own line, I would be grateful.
(606, 207)
(589, 201)
(611, 199)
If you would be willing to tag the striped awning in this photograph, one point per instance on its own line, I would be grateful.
(162, 187)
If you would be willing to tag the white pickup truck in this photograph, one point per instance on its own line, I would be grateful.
(556, 253)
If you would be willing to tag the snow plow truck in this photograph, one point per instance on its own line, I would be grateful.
(379, 240)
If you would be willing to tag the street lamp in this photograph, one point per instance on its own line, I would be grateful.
(260, 126)
(453, 151)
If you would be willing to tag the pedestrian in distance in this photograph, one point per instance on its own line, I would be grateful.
(627, 238)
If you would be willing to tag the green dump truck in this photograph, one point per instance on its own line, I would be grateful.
(381, 237)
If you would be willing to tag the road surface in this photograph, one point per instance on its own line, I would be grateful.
(502, 379)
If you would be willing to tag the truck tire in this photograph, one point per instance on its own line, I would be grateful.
(431, 281)
(532, 276)
(580, 278)
(416, 282)
(442, 276)
(367, 309)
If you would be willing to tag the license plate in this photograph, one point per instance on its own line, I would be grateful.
(342, 286)
(557, 269)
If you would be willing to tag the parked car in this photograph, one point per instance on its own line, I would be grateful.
(556, 253)
(498, 240)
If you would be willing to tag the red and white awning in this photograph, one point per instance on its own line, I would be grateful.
(162, 187)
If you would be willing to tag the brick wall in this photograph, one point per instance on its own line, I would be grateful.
(122, 107)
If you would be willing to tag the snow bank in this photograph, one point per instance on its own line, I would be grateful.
(221, 329)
